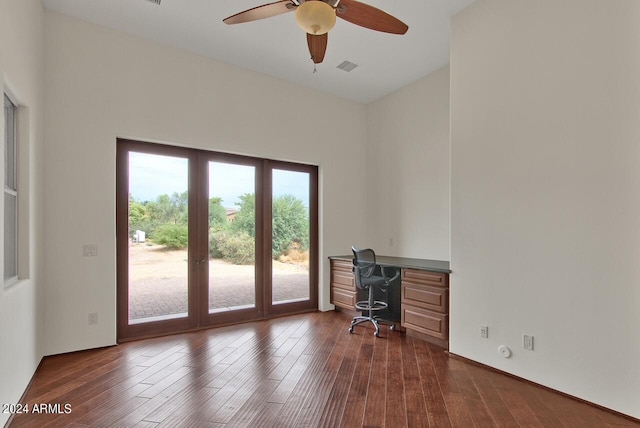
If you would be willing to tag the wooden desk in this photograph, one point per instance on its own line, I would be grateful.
(423, 299)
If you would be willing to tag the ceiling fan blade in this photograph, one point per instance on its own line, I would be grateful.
(317, 46)
(261, 12)
(370, 17)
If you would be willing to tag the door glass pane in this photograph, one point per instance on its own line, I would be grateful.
(232, 237)
(290, 236)
(158, 237)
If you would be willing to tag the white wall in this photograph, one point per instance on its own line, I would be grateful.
(408, 168)
(21, 53)
(101, 85)
(545, 120)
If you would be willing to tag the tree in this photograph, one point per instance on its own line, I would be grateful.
(138, 218)
(290, 224)
(150, 215)
(169, 209)
(245, 220)
(217, 214)
(180, 204)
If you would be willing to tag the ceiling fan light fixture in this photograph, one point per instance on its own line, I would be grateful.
(315, 17)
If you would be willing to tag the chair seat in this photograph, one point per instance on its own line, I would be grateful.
(373, 281)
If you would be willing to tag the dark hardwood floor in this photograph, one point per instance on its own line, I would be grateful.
(303, 370)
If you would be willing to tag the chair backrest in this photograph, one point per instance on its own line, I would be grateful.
(364, 264)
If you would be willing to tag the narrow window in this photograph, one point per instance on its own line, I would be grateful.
(10, 193)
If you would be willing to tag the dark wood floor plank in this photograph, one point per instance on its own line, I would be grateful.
(353, 415)
(338, 368)
(252, 405)
(267, 417)
(376, 404)
(193, 409)
(474, 401)
(511, 394)
(315, 402)
(318, 353)
(445, 369)
(436, 408)
(112, 407)
(238, 390)
(289, 359)
(302, 370)
(499, 411)
(145, 424)
(181, 404)
(396, 413)
(335, 407)
(160, 394)
(289, 382)
(414, 397)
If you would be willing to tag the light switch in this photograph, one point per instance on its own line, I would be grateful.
(89, 250)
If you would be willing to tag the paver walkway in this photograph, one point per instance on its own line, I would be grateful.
(158, 287)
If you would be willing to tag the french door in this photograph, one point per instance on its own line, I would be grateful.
(206, 238)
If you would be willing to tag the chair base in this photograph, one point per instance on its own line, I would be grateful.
(375, 320)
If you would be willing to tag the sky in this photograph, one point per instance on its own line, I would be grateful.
(154, 175)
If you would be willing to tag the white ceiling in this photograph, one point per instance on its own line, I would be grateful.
(277, 47)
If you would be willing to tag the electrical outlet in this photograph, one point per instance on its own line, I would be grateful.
(484, 331)
(527, 342)
(93, 318)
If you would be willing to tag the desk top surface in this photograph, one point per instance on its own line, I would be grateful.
(405, 262)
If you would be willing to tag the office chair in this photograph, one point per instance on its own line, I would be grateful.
(364, 265)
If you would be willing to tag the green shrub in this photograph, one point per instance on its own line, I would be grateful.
(172, 235)
(238, 248)
(215, 240)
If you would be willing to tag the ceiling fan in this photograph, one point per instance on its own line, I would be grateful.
(317, 18)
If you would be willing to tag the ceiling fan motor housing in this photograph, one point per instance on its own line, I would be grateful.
(315, 17)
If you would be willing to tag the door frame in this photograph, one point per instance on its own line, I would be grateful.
(126, 331)
(293, 307)
(207, 319)
(198, 316)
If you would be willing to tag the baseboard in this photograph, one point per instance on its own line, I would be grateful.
(589, 403)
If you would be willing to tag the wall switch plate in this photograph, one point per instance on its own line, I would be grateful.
(527, 342)
(89, 250)
(484, 331)
(93, 318)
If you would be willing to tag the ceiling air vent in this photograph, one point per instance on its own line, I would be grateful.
(347, 66)
(155, 2)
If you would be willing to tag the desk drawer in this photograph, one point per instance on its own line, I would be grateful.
(425, 321)
(425, 277)
(343, 280)
(343, 265)
(343, 298)
(426, 296)
(342, 275)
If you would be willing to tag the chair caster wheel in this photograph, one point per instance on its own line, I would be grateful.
(376, 334)
(351, 330)
(393, 327)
